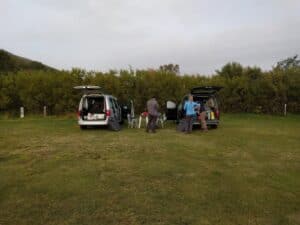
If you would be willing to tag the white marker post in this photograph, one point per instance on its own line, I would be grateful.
(45, 111)
(21, 112)
(285, 109)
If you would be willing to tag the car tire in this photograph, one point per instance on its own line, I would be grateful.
(214, 126)
(83, 127)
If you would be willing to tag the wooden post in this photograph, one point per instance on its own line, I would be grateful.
(22, 112)
(45, 111)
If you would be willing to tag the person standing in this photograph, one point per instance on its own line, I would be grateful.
(152, 108)
(202, 117)
(190, 112)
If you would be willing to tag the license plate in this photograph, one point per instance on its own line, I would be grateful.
(96, 116)
(100, 116)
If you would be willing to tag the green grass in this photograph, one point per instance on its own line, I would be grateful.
(245, 172)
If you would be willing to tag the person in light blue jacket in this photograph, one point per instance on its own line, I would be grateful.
(190, 112)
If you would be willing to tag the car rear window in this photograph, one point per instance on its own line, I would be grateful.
(95, 104)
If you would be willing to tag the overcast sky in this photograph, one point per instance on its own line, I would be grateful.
(199, 35)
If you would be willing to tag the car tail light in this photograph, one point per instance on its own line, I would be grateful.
(108, 112)
(78, 114)
(217, 113)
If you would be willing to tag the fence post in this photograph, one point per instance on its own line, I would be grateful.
(45, 111)
(284, 109)
(22, 112)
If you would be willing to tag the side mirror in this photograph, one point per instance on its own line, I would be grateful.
(171, 105)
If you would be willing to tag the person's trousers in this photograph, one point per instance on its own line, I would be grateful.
(151, 123)
(203, 121)
(189, 123)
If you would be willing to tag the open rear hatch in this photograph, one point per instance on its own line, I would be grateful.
(93, 103)
(206, 97)
(89, 89)
(205, 90)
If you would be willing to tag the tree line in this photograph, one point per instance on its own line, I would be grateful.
(245, 89)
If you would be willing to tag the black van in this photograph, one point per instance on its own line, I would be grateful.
(206, 96)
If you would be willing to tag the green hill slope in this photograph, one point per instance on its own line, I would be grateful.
(10, 62)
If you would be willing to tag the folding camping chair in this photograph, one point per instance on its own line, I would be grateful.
(132, 121)
(143, 116)
(160, 120)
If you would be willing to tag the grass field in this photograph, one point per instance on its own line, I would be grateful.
(245, 172)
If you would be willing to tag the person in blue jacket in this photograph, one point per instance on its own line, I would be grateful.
(190, 112)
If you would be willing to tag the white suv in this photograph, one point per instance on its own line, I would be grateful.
(97, 109)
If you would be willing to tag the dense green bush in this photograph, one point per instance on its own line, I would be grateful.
(246, 89)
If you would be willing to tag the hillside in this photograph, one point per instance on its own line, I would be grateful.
(10, 62)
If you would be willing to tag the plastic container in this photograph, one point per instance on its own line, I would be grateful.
(212, 115)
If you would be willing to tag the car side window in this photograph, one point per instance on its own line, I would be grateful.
(113, 105)
(116, 104)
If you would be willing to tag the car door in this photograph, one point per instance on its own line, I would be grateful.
(118, 110)
(171, 110)
(114, 109)
(180, 108)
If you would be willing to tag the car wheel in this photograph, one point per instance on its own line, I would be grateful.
(83, 127)
(214, 126)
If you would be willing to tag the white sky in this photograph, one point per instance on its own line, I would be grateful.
(199, 35)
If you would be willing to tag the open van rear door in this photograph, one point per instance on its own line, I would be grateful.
(171, 111)
(205, 90)
(89, 89)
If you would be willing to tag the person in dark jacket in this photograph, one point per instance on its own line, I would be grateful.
(152, 108)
